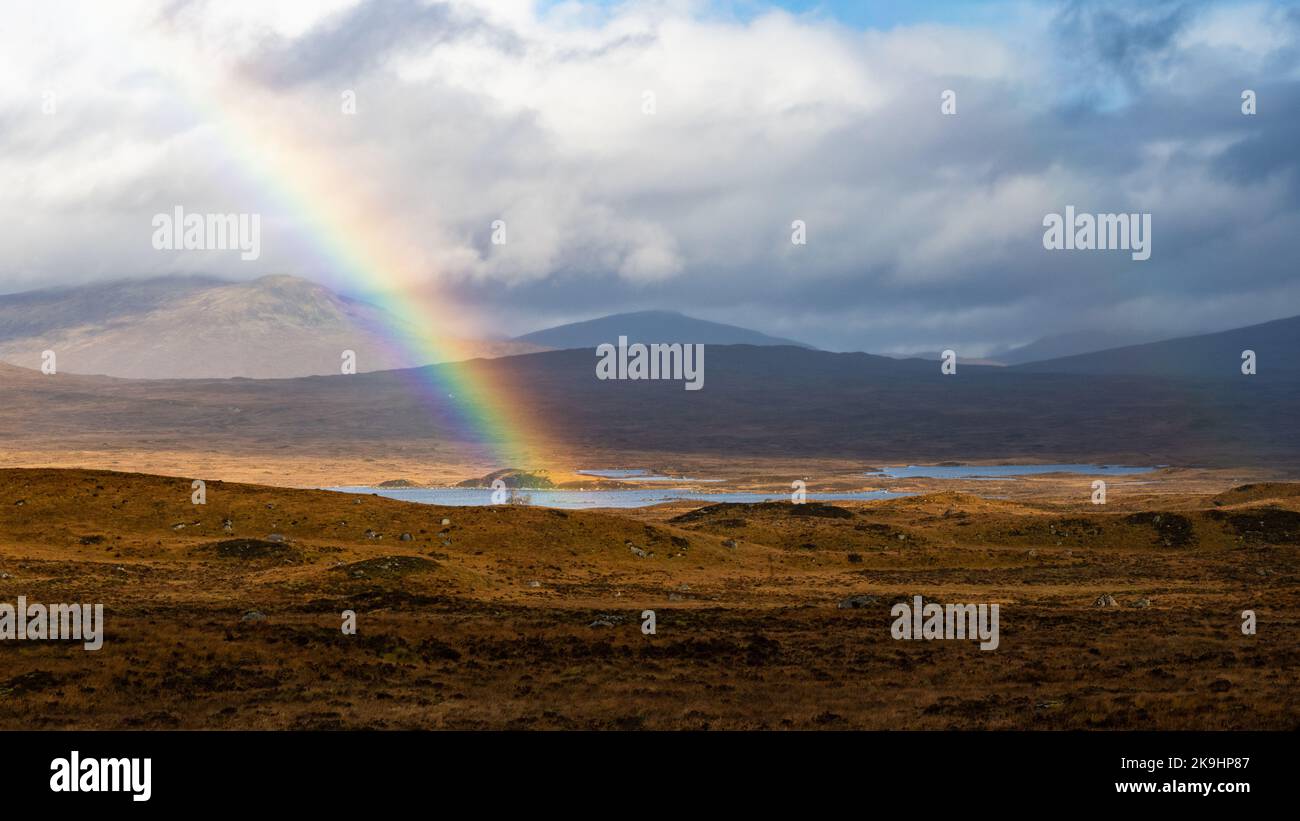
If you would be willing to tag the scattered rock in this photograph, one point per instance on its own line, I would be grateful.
(388, 566)
(607, 620)
(1104, 600)
(249, 549)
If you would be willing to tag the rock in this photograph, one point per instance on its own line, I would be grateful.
(638, 552)
(278, 538)
(675, 597)
(1033, 554)
(5, 576)
(1220, 685)
(406, 537)
(534, 584)
(1104, 600)
(253, 616)
(730, 544)
(370, 534)
(857, 602)
(1142, 602)
(227, 525)
(178, 526)
(446, 522)
(606, 620)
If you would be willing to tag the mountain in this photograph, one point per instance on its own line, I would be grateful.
(197, 327)
(759, 401)
(936, 356)
(1205, 356)
(649, 326)
(1071, 344)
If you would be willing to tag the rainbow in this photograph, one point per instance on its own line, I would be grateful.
(351, 238)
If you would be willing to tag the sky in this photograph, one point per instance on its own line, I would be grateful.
(656, 154)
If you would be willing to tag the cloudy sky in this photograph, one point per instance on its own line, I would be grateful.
(655, 155)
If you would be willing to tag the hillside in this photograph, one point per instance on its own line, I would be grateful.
(647, 327)
(1205, 356)
(179, 327)
(756, 401)
(229, 615)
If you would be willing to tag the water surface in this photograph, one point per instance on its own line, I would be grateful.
(586, 499)
(1000, 471)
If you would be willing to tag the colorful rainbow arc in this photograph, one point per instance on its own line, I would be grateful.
(363, 250)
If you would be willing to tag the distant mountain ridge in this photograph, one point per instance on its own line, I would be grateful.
(200, 327)
(1073, 343)
(1205, 356)
(769, 400)
(649, 326)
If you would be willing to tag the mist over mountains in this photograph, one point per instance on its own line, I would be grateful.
(200, 327)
